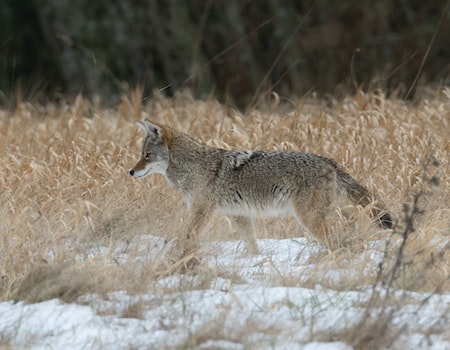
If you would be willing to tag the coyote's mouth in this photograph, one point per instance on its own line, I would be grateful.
(143, 175)
(139, 176)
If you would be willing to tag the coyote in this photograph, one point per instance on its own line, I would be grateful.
(247, 184)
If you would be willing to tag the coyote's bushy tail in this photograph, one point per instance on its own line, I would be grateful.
(360, 195)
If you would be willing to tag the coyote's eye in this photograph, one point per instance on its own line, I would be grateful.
(147, 155)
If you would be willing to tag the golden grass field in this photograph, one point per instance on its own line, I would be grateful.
(65, 187)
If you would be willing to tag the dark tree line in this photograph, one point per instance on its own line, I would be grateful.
(233, 49)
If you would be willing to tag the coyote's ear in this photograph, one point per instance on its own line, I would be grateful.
(154, 132)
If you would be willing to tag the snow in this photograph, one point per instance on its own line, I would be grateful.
(259, 312)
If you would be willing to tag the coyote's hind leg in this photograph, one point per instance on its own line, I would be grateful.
(316, 211)
(314, 221)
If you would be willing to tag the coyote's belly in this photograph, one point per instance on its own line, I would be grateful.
(257, 211)
(262, 207)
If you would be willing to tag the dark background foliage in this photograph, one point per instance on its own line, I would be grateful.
(236, 50)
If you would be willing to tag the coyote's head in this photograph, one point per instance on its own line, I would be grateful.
(155, 152)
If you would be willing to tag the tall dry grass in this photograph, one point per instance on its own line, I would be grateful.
(65, 190)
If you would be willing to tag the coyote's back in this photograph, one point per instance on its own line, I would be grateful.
(247, 184)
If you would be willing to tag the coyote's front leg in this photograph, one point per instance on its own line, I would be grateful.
(248, 230)
(200, 215)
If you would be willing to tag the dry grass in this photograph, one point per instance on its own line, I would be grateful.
(64, 186)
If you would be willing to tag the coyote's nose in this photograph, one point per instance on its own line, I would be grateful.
(131, 172)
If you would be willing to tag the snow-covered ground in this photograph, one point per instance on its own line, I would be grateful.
(259, 307)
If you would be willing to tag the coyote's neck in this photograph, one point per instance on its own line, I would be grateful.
(191, 163)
